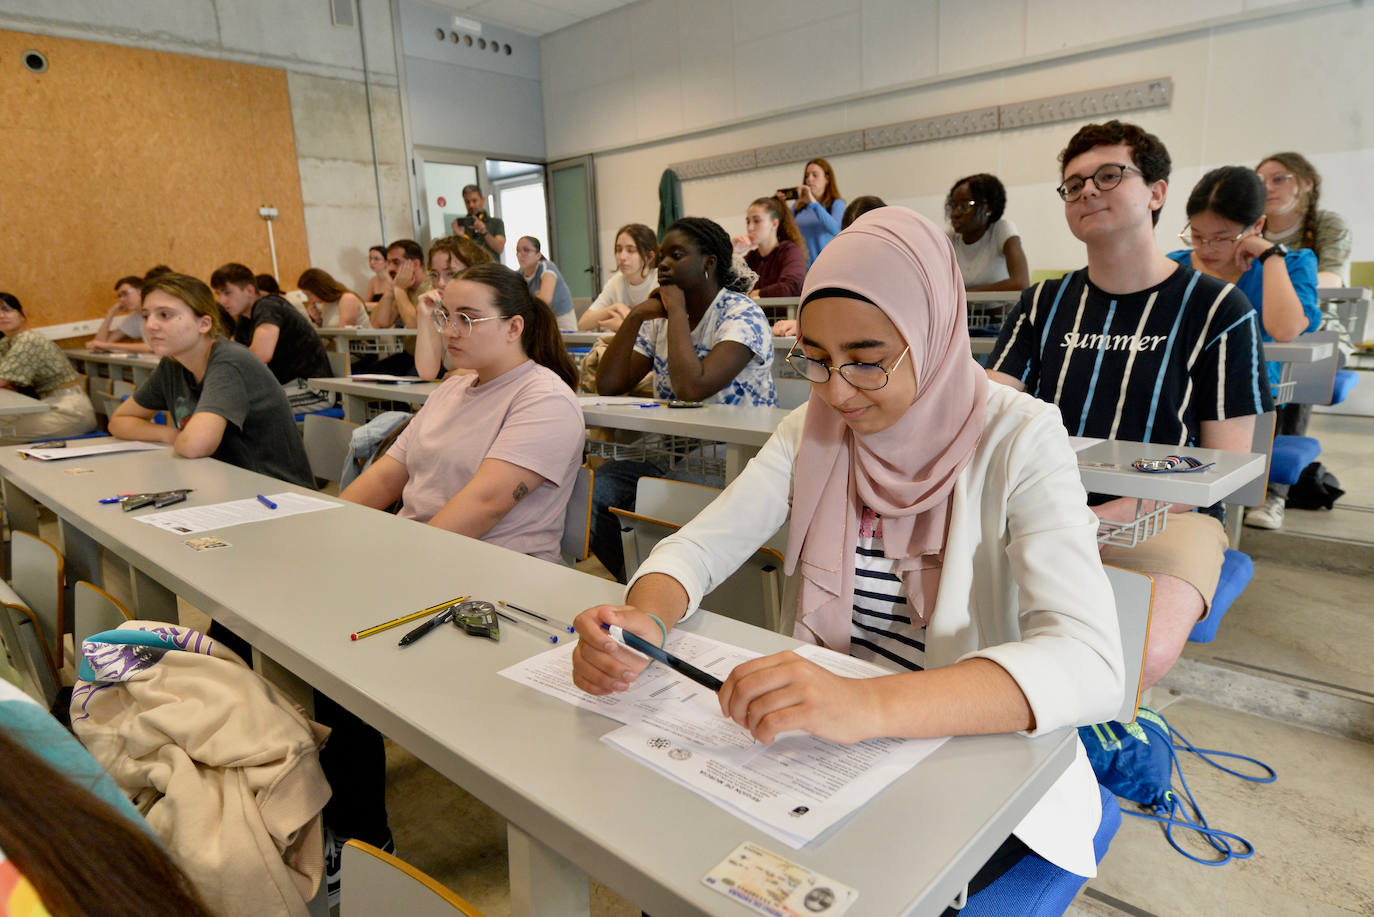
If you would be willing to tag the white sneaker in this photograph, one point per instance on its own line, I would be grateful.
(1267, 516)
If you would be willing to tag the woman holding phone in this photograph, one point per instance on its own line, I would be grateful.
(818, 207)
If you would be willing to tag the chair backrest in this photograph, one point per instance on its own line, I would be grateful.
(753, 593)
(338, 363)
(375, 882)
(1134, 593)
(577, 520)
(26, 649)
(94, 611)
(679, 502)
(326, 445)
(36, 573)
(1262, 441)
(1314, 381)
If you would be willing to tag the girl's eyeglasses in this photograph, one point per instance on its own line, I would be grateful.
(1191, 237)
(865, 376)
(464, 321)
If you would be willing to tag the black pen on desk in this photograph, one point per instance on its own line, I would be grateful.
(266, 502)
(638, 643)
(441, 618)
(556, 625)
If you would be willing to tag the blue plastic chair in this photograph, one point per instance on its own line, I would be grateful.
(1035, 887)
(1237, 569)
(1346, 379)
(1291, 455)
(335, 412)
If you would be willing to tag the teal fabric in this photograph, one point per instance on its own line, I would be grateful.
(33, 726)
(669, 201)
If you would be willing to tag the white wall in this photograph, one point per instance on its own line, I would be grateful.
(325, 79)
(464, 98)
(689, 67)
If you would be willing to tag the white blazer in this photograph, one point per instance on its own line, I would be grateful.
(1022, 584)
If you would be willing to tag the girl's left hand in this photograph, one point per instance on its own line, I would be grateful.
(672, 298)
(804, 196)
(1249, 248)
(784, 693)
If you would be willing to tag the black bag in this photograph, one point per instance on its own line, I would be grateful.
(1317, 488)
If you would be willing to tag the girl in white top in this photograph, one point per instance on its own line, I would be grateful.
(987, 245)
(330, 304)
(636, 258)
(937, 523)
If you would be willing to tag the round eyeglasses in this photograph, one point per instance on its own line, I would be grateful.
(1104, 179)
(463, 326)
(1198, 242)
(865, 376)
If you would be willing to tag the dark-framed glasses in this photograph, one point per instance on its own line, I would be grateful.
(1105, 178)
(962, 206)
(464, 322)
(1198, 241)
(866, 376)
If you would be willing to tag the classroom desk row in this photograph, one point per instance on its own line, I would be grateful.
(296, 587)
(15, 404)
(745, 429)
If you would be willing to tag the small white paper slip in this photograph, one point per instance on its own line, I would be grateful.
(767, 883)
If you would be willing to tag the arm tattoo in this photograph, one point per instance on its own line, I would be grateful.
(521, 491)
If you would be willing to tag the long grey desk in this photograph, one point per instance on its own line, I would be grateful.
(296, 588)
(742, 429)
(1351, 306)
(14, 404)
(128, 367)
(366, 340)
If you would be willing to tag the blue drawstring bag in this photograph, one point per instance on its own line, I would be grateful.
(1137, 761)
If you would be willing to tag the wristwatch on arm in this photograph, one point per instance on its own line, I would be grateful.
(1278, 248)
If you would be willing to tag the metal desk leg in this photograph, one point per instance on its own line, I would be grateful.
(82, 554)
(152, 600)
(736, 457)
(355, 409)
(542, 883)
(22, 509)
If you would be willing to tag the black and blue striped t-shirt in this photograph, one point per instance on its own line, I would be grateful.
(1148, 366)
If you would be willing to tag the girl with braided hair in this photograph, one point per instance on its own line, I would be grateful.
(1293, 187)
(703, 339)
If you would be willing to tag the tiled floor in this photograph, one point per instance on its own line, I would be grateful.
(1312, 828)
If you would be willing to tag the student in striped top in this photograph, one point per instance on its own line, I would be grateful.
(1138, 347)
(937, 525)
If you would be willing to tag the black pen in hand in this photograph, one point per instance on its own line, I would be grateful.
(428, 626)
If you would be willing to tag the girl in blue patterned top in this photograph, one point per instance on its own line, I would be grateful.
(703, 339)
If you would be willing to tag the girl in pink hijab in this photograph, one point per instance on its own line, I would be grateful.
(937, 526)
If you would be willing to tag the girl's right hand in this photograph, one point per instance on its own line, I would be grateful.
(600, 665)
(742, 244)
(650, 308)
(785, 328)
(428, 303)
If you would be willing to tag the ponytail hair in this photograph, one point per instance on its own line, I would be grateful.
(731, 271)
(787, 227)
(540, 339)
(1299, 165)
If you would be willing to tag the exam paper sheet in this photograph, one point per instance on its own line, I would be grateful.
(100, 447)
(191, 519)
(793, 790)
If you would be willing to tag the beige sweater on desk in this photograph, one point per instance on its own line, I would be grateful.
(225, 768)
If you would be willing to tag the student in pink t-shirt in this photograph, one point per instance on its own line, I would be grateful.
(493, 454)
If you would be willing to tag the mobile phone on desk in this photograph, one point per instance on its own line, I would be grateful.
(686, 404)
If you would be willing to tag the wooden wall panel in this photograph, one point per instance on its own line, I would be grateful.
(118, 158)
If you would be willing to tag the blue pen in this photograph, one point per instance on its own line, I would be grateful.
(639, 644)
(266, 502)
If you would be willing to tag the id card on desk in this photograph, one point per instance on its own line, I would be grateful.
(770, 884)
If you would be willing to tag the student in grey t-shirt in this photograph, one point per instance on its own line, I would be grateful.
(222, 401)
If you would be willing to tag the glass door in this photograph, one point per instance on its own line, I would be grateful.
(443, 175)
(572, 224)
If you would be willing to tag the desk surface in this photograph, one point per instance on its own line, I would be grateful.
(1298, 351)
(534, 759)
(13, 403)
(366, 332)
(147, 360)
(1232, 471)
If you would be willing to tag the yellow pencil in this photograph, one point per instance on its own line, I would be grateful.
(396, 622)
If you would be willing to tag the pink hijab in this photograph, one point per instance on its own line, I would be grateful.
(904, 264)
